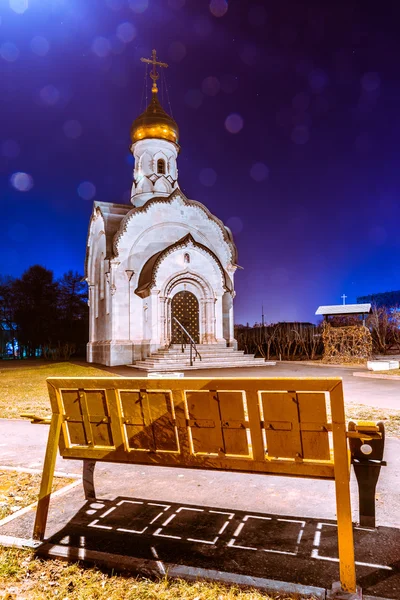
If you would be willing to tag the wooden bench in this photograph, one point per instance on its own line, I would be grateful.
(280, 426)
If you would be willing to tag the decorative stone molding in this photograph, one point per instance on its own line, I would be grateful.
(176, 195)
(186, 242)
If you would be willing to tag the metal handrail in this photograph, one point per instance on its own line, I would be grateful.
(191, 342)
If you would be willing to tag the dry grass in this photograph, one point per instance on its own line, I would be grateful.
(361, 412)
(18, 490)
(23, 384)
(23, 577)
(388, 372)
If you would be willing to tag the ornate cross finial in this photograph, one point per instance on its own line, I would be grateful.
(153, 74)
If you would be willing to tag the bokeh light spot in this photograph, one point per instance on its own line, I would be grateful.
(50, 95)
(210, 86)
(177, 51)
(235, 225)
(86, 190)
(208, 177)
(21, 181)
(259, 172)
(139, 6)
(318, 80)
(370, 82)
(72, 129)
(10, 149)
(193, 98)
(126, 32)
(233, 123)
(19, 6)
(39, 45)
(218, 8)
(101, 47)
(9, 51)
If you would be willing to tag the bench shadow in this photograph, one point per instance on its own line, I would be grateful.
(152, 537)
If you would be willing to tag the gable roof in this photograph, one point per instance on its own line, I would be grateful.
(344, 309)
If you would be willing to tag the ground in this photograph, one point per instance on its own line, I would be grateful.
(23, 384)
(22, 577)
(23, 445)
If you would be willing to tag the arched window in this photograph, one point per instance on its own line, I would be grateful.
(161, 166)
(187, 258)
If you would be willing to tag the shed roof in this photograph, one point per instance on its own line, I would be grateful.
(344, 309)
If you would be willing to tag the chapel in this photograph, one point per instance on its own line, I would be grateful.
(161, 270)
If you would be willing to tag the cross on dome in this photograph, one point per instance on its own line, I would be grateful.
(153, 74)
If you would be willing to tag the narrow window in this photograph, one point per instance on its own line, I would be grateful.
(187, 258)
(161, 166)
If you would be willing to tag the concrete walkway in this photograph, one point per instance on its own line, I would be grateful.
(381, 393)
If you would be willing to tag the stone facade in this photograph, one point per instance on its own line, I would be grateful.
(139, 257)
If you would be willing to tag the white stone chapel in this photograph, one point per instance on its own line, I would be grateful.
(161, 263)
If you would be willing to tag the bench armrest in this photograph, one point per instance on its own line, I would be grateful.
(36, 420)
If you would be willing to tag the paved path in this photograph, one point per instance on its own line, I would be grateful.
(381, 393)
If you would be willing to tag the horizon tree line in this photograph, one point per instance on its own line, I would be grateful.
(43, 316)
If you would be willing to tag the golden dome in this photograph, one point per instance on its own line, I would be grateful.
(154, 122)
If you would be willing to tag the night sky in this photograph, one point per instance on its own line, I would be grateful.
(289, 117)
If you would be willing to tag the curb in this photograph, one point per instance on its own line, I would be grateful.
(310, 363)
(376, 375)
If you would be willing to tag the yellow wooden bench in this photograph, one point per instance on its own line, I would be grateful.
(279, 426)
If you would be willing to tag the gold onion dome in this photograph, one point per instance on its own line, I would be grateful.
(154, 122)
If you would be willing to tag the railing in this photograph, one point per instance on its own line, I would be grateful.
(191, 342)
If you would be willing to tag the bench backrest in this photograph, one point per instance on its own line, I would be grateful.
(263, 425)
(268, 425)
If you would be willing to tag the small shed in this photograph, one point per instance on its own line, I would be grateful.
(344, 309)
(349, 343)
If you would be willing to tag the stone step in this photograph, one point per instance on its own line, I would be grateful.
(202, 350)
(145, 366)
(180, 356)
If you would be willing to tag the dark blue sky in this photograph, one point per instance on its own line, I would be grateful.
(309, 184)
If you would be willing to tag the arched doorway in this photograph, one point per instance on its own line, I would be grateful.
(185, 308)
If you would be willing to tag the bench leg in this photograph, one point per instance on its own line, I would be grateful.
(88, 478)
(47, 478)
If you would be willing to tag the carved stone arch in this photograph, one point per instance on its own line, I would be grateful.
(162, 185)
(204, 288)
(149, 271)
(146, 156)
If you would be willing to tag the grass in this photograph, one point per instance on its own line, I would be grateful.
(18, 490)
(361, 412)
(388, 372)
(24, 577)
(23, 384)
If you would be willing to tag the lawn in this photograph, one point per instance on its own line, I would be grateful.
(18, 490)
(23, 384)
(24, 577)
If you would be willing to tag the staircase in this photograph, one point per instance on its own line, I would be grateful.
(213, 356)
